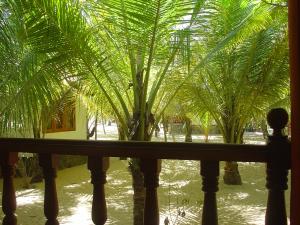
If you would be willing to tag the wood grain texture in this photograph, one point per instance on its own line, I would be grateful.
(154, 150)
(48, 163)
(98, 167)
(209, 171)
(8, 162)
(151, 169)
(294, 48)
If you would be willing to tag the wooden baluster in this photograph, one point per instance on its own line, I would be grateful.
(277, 168)
(98, 167)
(49, 163)
(210, 176)
(9, 205)
(151, 169)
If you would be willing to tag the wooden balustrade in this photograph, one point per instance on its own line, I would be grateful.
(278, 165)
(151, 169)
(98, 167)
(210, 174)
(276, 154)
(8, 162)
(48, 163)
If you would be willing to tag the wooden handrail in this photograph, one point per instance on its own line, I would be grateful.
(155, 150)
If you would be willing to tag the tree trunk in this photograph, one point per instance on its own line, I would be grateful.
(188, 129)
(156, 131)
(139, 192)
(24, 174)
(231, 174)
(121, 134)
(264, 129)
(231, 171)
(135, 168)
(37, 175)
(96, 125)
(165, 128)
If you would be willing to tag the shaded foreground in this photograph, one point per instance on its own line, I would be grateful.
(180, 196)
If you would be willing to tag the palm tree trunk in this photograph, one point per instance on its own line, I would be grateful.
(188, 129)
(139, 193)
(121, 133)
(231, 174)
(96, 125)
(264, 129)
(137, 175)
(24, 173)
(165, 127)
(37, 175)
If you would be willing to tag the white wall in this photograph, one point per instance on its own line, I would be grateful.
(81, 126)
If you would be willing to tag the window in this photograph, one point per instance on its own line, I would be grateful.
(64, 120)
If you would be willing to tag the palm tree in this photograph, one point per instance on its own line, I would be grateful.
(243, 79)
(27, 86)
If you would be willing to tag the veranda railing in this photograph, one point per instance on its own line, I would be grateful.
(276, 154)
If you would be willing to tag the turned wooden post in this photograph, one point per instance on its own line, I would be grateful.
(98, 167)
(210, 176)
(151, 169)
(9, 205)
(277, 168)
(49, 163)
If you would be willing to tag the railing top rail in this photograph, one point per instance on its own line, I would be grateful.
(137, 149)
